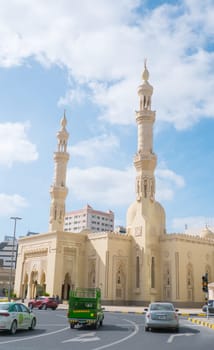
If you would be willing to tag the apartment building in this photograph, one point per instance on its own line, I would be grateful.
(88, 218)
(8, 251)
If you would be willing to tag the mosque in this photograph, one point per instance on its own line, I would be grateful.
(143, 265)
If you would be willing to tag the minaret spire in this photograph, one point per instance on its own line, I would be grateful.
(58, 190)
(145, 159)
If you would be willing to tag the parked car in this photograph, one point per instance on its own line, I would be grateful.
(210, 306)
(15, 316)
(161, 315)
(43, 303)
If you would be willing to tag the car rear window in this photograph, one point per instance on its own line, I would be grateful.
(162, 307)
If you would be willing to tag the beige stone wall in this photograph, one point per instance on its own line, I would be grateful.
(187, 258)
(121, 265)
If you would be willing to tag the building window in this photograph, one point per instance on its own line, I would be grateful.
(153, 272)
(137, 272)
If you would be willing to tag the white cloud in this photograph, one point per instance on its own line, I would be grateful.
(114, 187)
(111, 187)
(106, 41)
(96, 148)
(14, 144)
(73, 95)
(168, 182)
(10, 204)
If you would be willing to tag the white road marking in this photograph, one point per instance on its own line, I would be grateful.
(83, 338)
(34, 336)
(171, 338)
(136, 330)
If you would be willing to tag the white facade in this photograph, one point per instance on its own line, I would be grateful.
(88, 218)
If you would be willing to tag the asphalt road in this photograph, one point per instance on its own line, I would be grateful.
(120, 331)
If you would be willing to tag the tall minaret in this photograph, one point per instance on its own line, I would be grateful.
(145, 160)
(58, 190)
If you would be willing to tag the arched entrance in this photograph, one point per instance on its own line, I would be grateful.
(33, 284)
(25, 287)
(66, 287)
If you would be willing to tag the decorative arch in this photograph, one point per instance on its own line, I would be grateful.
(92, 274)
(33, 283)
(41, 288)
(167, 281)
(190, 282)
(25, 286)
(137, 272)
(153, 267)
(66, 287)
(120, 282)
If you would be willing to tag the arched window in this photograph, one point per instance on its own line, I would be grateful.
(167, 281)
(92, 275)
(190, 283)
(137, 272)
(153, 272)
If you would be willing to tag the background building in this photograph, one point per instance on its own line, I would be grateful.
(8, 252)
(88, 218)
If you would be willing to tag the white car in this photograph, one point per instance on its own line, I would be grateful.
(161, 315)
(14, 315)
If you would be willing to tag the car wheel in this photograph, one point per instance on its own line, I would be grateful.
(101, 323)
(146, 328)
(53, 308)
(44, 307)
(33, 324)
(13, 327)
(71, 325)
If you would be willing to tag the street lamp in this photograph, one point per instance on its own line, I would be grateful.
(15, 218)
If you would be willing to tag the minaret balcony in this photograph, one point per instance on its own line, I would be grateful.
(144, 156)
(145, 115)
(145, 162)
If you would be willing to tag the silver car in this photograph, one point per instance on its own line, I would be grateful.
(161, 315)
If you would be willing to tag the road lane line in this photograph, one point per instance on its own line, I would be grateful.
(83, 338)
(34, 336)
(136, 330)
(171, 338)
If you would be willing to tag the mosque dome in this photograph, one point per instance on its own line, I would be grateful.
(207, 233)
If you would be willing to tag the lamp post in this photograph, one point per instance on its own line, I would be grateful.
(15, 218)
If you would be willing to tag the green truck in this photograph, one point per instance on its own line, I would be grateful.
(85, 307)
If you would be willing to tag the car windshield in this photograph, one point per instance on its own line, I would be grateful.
(4, 306)
(164, 307)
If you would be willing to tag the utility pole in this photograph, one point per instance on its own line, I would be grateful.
(15, 218)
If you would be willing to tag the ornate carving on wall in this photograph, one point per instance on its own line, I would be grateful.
(69, 251)
(138, 231)
(36, 252)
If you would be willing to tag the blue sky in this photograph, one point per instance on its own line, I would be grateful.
(87, 57)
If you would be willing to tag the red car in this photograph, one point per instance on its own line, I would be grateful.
(43, 303)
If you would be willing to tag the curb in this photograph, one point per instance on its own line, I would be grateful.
(202, 323)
